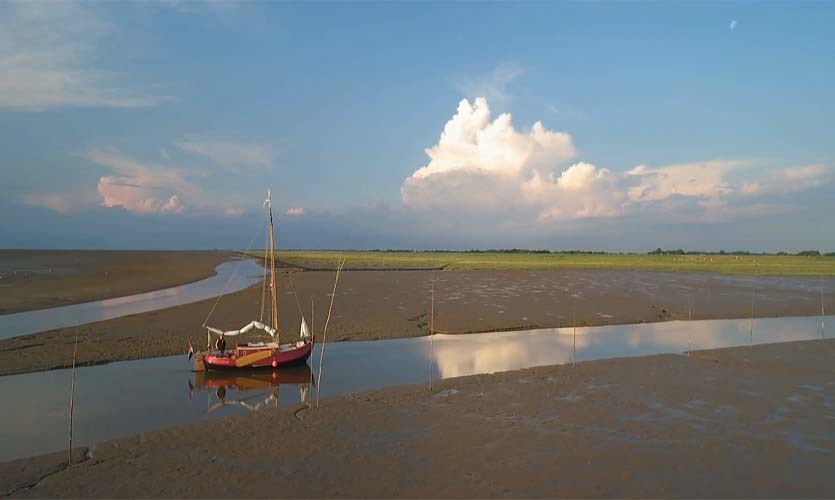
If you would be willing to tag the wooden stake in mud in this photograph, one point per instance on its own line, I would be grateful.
(574, 335)
(822, 312)
(72, 398)
(753, 298)
(325, 333)
(689, 318)
(431, 330)
(312, 334)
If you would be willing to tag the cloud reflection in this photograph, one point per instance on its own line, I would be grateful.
(461, 355)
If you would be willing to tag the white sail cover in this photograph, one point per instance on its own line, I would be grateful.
(250, 326)
(304, 331)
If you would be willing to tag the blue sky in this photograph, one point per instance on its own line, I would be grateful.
(615, 126)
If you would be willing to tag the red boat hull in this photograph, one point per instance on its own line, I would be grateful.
(275, 359)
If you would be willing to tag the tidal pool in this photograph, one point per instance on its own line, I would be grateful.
(130, 397)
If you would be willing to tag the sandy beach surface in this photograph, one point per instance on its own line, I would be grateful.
(739, 422)
(39, 279)
(387, 304)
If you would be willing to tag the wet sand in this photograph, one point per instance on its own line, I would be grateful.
(387, 304)
(740, 422)
(39, 279)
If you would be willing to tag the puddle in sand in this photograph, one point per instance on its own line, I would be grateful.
(130, 397)
(243, 273)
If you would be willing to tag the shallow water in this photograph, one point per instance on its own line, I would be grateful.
(230, 277)
(130, 397)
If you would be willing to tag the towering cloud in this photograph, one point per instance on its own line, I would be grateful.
(484, 166)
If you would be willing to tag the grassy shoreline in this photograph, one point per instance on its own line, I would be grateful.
(758, 265)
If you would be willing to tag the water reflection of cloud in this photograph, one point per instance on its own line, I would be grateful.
(457, 356)
(114, 401)
(493, 352)
(674, 336)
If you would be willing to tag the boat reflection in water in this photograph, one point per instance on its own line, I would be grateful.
(36, 422)
(253, 390)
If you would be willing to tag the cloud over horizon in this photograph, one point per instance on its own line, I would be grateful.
(145, 187)
(64, 203)
(142, 188)
(485, 168)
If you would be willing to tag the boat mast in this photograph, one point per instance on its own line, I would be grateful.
(272, 264)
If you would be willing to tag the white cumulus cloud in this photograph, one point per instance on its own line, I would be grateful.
(485, 168)
(149, 188)
(481, 163)
(789, 179)
(141, 188)
(706, 181)
(582, 190)
(472, 140)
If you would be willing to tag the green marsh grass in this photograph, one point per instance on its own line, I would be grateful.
(725, 264)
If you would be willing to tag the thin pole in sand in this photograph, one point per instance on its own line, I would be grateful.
(753, 299)
(296, 295)
(72, 398)
(325, 333)
(312, 334)
(822, 311)
(689, 318)
(431, 330)
(574, 335)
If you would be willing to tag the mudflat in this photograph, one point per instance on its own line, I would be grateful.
(387, 304)
(740, 422)
(39, 279)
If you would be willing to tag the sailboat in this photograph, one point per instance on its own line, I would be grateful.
(253, 355)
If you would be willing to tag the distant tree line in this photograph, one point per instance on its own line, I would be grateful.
(499, 250)
(804, 253)
(657, 251)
